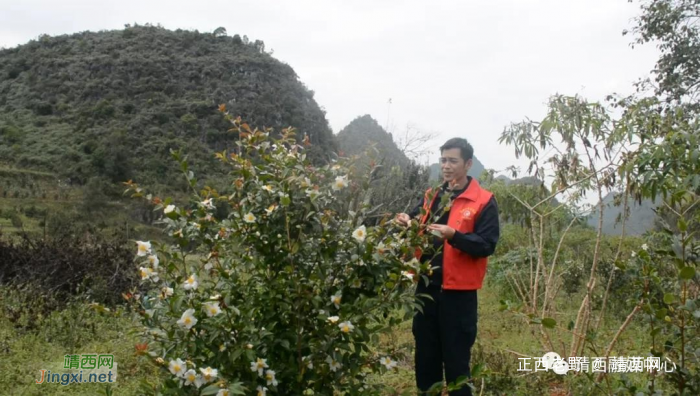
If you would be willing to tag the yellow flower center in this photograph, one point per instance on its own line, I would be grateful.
(188, 320)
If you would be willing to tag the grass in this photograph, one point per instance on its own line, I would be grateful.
(78, 329)
(75, 330)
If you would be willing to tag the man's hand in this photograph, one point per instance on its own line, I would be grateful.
(403, 219)
(446, 232)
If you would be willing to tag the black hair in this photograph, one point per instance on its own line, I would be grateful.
(466, 149)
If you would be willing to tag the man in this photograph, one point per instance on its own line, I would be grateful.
(467, 231)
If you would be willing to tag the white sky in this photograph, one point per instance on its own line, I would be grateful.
(456, 68)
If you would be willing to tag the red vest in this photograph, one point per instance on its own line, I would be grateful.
(460, 271)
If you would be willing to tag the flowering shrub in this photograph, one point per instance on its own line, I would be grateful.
(286, 294)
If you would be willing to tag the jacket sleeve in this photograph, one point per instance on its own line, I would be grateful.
(481, 242)
(416, 210)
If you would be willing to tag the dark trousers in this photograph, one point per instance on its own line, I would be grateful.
(445, 333)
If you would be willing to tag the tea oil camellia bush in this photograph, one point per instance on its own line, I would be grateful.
(285, 295)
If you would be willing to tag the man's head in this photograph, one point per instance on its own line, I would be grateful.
(455, 160)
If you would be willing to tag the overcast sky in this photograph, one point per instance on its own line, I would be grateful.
(457, 68)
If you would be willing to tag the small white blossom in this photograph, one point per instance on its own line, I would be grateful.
(340, 183)
(333, 319)
(212, 308)
(191, 377)
(360, 233)
(407, 275)
(177, 367)
(207, 203)
(187, 320)
(169, 209)
(258, 365)
(335, 300)
(645, 247)
(167, 291)
(209, 374)
(268, 188)
(147, 273)
(270, 209)
(223, 392)
(346, 327)
(153, 260)
(270, 377)
(333, 364)
(249, 218)
(388, 362)
(262, 391)
(144, 248)
(191, 283)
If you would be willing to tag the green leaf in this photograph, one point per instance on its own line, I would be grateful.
(669, 298)
(210, 390)
(285, 200)
(549, 323)
(687, 273)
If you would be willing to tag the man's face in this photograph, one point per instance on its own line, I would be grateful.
(454, 168)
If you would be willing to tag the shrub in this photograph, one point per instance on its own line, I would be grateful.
(287, 292)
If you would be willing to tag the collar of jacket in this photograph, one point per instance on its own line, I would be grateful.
(472, 191)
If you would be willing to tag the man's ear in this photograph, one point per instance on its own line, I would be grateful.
(468, 164)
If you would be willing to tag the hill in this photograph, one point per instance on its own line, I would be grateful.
(641, 217)
(111, 104)
(364, 132)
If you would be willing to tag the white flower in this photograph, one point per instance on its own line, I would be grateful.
(333, 319)
(208, 266)
(177, 367)
(249, 218)
(309, 363)
(270, 209)
(223, 392)
(187, 320)
(340, 183)
(147, 273)
(306, 182)
(634, 254)
(208, 374)
(207, 203)
(144, 248)
(645, 247)
(360, 233)
(153, 260)
(336, 300)
(166, 291)
(191, 377)
(407, 275)
(222, 348)
(212, 308)
(312, 193)
(262, 391)
(267, 188)
(333, 364)
(258, 365)
(270, 377)
(346, 327)
(388, 362)
(191, 283)
(169, 209)
(249, 346)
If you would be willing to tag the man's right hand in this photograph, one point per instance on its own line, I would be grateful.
(403, 219)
